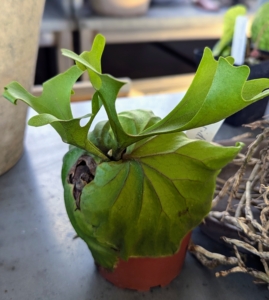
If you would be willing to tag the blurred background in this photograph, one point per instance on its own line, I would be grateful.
(158, 41)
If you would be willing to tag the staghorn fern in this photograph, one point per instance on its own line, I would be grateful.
(260, 28)
(135, 185)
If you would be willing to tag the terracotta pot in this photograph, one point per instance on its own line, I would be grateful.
(120, 8)
(142, 273)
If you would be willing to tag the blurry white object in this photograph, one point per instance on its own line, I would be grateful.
(239, 43)
(120, 7)
(206, 133)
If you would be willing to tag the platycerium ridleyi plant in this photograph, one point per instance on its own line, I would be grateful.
(224, 44)
(136, 185)
(260, 29)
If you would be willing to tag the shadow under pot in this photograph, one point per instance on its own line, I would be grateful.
(256, 110)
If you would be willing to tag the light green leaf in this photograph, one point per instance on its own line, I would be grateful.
(93, 57)
(217, 91)
(213, 97)
(107, 92)
(96, 103)
(228, 28)
(153, 197)
(55, 98)
(210, 98)
(73, 133)
(260, 28)
(45, 119)
(54, 108)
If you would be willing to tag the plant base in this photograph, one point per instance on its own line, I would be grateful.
(143, 273)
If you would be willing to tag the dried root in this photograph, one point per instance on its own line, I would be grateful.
(209, 259)
(250, 190)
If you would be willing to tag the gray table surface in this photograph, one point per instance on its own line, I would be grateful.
(39, 259)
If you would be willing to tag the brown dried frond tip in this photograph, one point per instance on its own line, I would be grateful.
(81, 174)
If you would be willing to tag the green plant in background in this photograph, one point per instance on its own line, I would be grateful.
(223, 46)
(135, 185)
(260, 29)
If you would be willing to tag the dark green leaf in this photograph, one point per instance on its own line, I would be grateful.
(145, 204)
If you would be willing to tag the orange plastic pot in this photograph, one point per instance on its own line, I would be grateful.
(143, 273)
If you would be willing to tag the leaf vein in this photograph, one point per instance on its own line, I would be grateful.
(163, 175)
(122, 187)
(179, 154)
